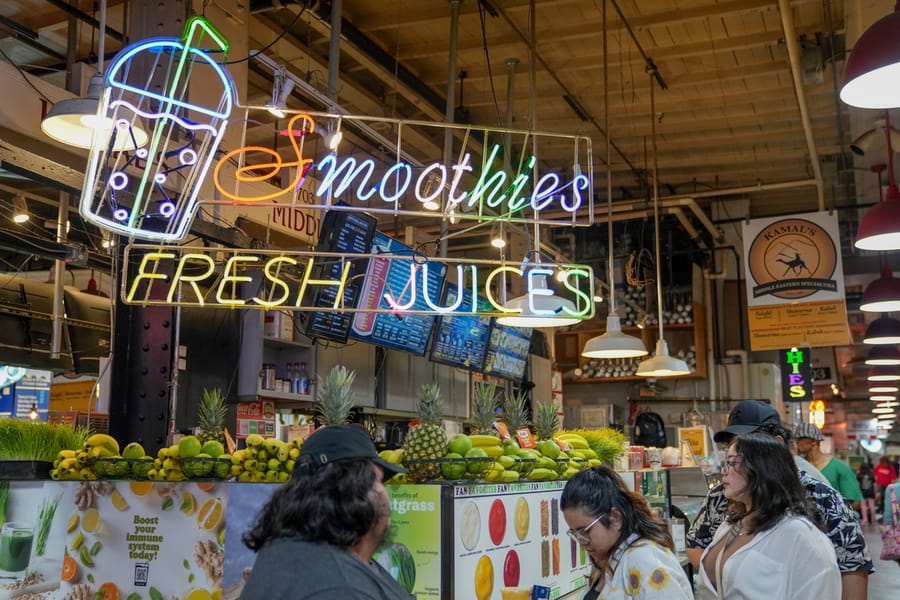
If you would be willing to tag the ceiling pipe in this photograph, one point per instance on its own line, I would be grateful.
(793, 48)
(86, 18)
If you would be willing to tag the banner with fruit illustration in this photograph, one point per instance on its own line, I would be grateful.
(512, 535)
(142, 540)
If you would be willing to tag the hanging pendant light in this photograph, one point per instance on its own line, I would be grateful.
(883, 330)
(612, 343)
(883, 374)
(661, 365)
(883, 355)
(873, 67)
(539, 310)
(879, 229)
(883, 294)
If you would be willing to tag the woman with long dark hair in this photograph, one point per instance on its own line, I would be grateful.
(631, 551)
(770, 545)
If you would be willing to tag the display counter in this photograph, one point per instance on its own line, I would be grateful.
(150, 540)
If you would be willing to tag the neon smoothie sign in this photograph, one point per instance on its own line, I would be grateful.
(271, 279)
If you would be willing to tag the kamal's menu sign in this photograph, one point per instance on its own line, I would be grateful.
(795, 290)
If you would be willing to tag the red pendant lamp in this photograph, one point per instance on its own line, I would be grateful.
(873, 67)
(879, 229)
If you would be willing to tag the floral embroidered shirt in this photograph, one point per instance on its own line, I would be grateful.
(643, 570)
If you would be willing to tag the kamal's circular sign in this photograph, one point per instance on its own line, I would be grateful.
(792, 259)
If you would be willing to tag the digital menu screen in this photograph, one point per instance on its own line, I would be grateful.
(507, 352)
(461, 340)
(400, 274)
(348, 233)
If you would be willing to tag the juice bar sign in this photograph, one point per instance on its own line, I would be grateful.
(796, 374)
(274, 279)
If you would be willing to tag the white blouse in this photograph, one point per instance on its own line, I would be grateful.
(793, 559)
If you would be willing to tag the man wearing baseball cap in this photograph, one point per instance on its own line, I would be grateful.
(840, 523)
(317, 535)
(839, 474)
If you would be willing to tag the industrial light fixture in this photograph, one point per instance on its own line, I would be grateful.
(879, 229)
(661, 365)
(873, 67)
(539, 310)
(612, 343)
(883, 294)
(861, 144)
(76, 121)
(282, 86)
(884, 411)
(498, 236)
(887, 404)
(883, 355)
(331, 137)
(883, 374)
(20, 210)
(33, 413)
(883, 389)
(883, 330)
(882, 398)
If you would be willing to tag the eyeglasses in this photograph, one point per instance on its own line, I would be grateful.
(727, 465)
(580, 535)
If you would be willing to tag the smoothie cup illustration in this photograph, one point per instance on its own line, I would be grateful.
(150, 192)
(16, 540)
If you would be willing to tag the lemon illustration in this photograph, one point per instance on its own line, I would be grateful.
(118, 501)
(188, 504)
(91, 521)
(140, 488)
(72, 524)
(210, 514)
(198, 595)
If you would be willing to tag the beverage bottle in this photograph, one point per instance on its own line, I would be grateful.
(303, 378)
(295, 378)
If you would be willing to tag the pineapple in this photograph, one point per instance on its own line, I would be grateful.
(211, 416)
(426, 440)
(484, 406)
(515, 411)
(546, 421)
(335, 398)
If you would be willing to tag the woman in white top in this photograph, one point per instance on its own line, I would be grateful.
(631, 552)
(770, 545)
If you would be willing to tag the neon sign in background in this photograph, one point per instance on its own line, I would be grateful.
(482, 181)
(286, 280)
(150, 191)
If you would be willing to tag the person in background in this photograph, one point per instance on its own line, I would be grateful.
(840, 524)
(770, 545)
(316, 536)
(867, 486)
(884, 476)
(805, 465)
(841, 476)
(631, 552)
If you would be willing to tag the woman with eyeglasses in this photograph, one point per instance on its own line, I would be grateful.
(770, 545)
(631, 551)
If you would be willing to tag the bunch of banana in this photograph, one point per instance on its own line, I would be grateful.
(576, 441)
(265, 459)
(488, 443)
(502, 470)
(84, 464)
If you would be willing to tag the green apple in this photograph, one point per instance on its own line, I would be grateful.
(478, 465)
(460, 444)
(453, 466)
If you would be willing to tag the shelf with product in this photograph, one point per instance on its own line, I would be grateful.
(277, 361)
(684, 332)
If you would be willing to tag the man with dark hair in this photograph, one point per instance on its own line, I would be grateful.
(317, 535)
(840, 523)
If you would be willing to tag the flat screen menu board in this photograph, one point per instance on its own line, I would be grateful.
(507, 352)
(391, 275)
(461, 340)
(347, 233)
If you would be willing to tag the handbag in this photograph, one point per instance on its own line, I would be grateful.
(890, 534)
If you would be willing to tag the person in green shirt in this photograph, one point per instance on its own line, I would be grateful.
(836, 471)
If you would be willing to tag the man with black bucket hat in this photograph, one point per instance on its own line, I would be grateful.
(316, 536)
(840, 523)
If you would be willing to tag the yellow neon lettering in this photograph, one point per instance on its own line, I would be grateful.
(276, 281)
(490, 294)
(797, 391)
(230, 267)
(191, 280)
(340, 283)
(143, 274)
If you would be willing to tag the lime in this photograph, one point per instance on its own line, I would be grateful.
(460, 444)
(189, 446)
(213, 448)
(453, 466)
(133, 450)
(549, 448)
(479, 464)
